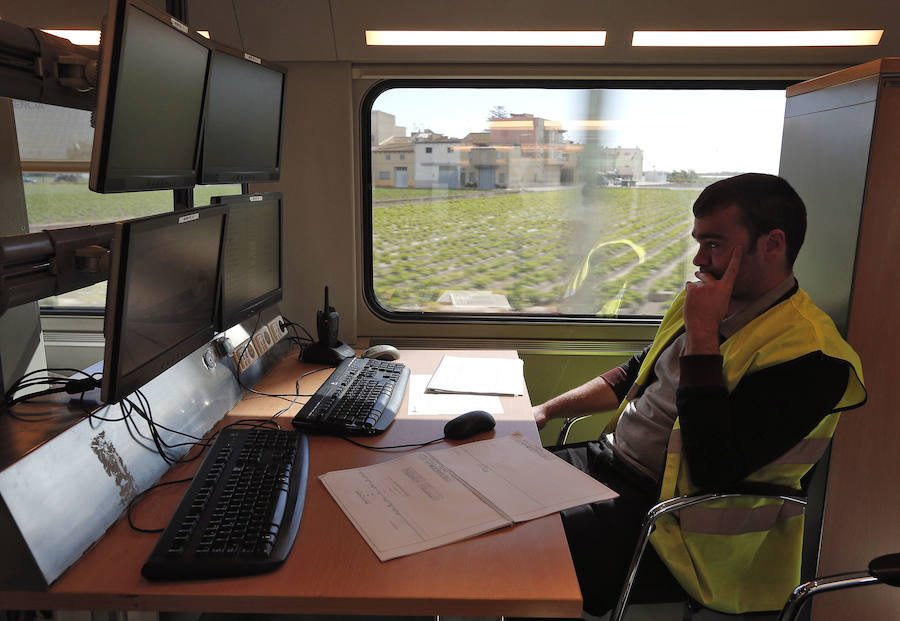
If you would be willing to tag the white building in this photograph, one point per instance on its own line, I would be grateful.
(438, 163)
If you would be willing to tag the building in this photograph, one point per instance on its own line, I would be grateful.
(437, 160)
(384, 127)
(619, 165)
(392, 161)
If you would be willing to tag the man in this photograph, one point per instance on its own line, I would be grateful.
(742, 384)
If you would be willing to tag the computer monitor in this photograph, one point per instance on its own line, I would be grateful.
(244, 119)
(150, 101)
(162, 298)
(251, 256)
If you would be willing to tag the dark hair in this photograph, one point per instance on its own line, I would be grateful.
(766, 202)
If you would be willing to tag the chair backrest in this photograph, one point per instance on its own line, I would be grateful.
(815, 484)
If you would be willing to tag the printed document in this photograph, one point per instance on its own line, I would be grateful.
(429, 499)
(479, 376)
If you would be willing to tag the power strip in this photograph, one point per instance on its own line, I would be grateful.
(253, 348)
(245, 354)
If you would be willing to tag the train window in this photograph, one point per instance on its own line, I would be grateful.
(55, 151)
(569, 201)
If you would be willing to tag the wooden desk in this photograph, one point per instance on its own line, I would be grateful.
(525, 570)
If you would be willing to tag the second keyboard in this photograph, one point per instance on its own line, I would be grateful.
(360, 397)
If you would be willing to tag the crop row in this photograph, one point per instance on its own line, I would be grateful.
(528, 246)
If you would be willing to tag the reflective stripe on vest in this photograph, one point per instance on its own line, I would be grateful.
(735, 520)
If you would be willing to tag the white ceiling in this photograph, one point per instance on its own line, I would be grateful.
(328, 30)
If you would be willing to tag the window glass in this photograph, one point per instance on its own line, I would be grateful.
(55, 151)
(551, 201)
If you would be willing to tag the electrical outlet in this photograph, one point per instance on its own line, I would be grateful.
(263, 340)
(245, 355)
(277, 329)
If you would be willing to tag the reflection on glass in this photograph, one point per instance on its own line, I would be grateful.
(62, 199)
(551, 201)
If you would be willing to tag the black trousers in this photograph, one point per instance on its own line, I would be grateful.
(602, 535)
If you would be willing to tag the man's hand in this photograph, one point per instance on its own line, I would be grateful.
(706, 304)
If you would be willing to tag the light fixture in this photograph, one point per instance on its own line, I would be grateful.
(754, 38)
(78, 37)
(203, 33)
(510, 38)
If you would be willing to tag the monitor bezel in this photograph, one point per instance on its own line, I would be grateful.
(101, 179)
(222, 174)
(272, 296)
(114, 385)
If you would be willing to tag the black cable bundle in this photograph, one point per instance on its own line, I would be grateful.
(71, 385)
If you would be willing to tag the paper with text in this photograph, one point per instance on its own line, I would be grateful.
(410, 504)
(478, 376)
(428, 499)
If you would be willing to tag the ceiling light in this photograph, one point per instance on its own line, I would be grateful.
(78, 37)
(754, 38)
(518, 38)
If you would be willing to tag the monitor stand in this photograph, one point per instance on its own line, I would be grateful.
(323, 354)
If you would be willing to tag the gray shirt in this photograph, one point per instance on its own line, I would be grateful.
(642, 433)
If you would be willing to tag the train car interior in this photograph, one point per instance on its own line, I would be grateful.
(455, 176)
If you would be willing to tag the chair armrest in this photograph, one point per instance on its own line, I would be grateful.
(886, 569)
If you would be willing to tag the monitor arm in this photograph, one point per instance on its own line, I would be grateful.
(36, 66)
(34, 266)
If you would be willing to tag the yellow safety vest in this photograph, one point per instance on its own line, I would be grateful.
(743, 555)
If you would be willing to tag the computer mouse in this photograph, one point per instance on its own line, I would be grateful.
(381, 352)
(467, 425)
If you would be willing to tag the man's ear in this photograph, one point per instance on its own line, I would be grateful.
(775, 243)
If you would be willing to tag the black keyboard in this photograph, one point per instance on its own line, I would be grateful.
(360, 397)
(241, 514)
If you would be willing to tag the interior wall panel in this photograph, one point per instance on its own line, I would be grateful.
(863, 498)
(316, 180)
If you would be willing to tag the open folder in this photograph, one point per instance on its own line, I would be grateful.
(428, 499)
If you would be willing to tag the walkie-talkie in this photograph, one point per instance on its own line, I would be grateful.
(327, 323)
(328, 349)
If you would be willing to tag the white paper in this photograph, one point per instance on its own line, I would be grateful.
(521, 479)
(409, 504)
(428, 499)
(426, 403)
(480, 376)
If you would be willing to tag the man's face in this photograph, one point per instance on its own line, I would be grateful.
(718, 234)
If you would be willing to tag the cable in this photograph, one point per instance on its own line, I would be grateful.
(386, 448)
(70, 385)
(288, 323)
(146, 491)
(292, 397)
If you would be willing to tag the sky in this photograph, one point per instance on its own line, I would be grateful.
(703, 130)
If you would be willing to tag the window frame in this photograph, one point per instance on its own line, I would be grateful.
(370, 300)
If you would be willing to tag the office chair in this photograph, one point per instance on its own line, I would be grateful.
(813, 485)
(676, 504)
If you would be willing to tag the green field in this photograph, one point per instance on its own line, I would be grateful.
(619, 251)
(53, 204)
(390, 194)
